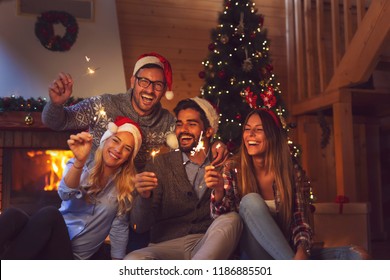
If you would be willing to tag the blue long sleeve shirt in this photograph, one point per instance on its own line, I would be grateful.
(89, 223)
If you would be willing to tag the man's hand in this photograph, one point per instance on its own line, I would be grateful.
(214, 180)
(61, 89)
(144, 183)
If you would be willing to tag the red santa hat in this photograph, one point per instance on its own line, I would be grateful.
(155, 58)
(124, 124)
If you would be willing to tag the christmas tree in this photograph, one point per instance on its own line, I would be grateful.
(238, 72)
(238, 75)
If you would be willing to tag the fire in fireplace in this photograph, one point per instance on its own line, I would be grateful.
(33, 176)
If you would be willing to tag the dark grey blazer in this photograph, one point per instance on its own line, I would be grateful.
(174, 209)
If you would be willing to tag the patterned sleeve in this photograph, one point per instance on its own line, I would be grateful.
(301, 230)
(231, 199)
(91, 113)
(66, 118)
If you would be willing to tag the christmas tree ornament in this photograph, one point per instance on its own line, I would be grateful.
(269, 67)
(247, 65)
(221, 74)
(240, 29)
(202, 74)
(29, 120)
(258, 54)
(224, 39)
(211, 47)
(261, 21)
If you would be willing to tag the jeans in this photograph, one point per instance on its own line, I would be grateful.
(218, 243)
(263, 239)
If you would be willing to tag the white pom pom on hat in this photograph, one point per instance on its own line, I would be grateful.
(155, 58)
(124, 124)
(172, 141)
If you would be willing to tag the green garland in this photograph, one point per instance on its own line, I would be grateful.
(14, 103)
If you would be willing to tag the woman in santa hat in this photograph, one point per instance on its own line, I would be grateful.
(95, 202)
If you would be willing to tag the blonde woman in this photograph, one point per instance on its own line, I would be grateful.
(95, 202)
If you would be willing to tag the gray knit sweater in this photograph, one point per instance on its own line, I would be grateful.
(174, 209)
(95, 113)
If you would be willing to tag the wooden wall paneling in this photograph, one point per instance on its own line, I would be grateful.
(291, 60)
(329, 157)
(347, 14)
(180, 30)
(300, 59)
(344, 151)
(318, 163)
(309, 48)
(361, 154)
(374, 176)
(360, 10)
(321, 44)
(366, 45)
(335, 11)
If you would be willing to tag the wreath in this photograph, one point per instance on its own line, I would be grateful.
(44, 30)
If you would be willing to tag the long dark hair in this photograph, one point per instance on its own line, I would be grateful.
(277, 161)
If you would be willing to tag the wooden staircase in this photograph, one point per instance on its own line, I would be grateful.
(335, 50)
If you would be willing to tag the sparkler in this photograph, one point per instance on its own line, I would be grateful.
(154, 153)
(90, 70)
(198, 147)
(101, 114)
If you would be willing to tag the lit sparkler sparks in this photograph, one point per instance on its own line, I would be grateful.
(90, 70)
(154, 153)
(200, 145)
(101, 114)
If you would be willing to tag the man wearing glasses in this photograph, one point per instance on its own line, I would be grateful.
(151, 80)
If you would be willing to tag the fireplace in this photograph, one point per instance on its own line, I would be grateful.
(31, 160)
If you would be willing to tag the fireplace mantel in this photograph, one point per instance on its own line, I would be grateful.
(16, 133)
(17, 120)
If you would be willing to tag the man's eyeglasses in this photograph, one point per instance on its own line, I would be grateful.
(157, 85)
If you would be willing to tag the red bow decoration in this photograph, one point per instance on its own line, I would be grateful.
(269, 98)
(341, 199)
(250, 97)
